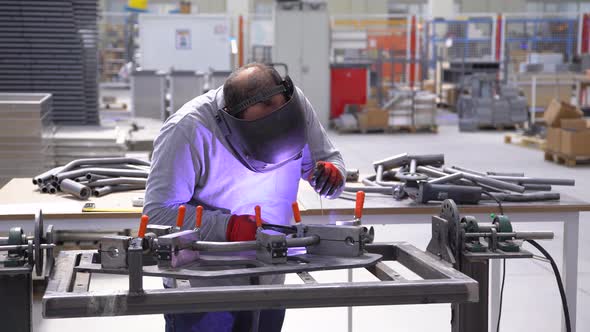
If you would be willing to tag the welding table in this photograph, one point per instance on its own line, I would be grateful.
(19, 200)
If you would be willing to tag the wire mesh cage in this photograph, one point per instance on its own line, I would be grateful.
(383, 41)
(527, 36)
(470, 38)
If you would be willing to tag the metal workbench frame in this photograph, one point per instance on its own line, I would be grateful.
(67, 293)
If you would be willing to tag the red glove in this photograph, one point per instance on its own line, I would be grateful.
(241, 228)
(326, 178)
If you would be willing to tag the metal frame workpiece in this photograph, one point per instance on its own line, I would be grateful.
(68, 294)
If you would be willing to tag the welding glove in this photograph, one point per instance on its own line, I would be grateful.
(241, 228)
(326, 179)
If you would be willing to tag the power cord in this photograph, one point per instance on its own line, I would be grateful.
(487, 193)
(501, 294)
(534, 243)
(566, 311)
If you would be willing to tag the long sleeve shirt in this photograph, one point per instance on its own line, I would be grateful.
(192, 164)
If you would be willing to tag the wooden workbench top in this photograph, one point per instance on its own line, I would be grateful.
(19, 199)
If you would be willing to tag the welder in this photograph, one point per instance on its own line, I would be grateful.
(244, 144)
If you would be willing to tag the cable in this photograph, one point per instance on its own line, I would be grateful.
(487, 193)
(566, 311)
(501, 294)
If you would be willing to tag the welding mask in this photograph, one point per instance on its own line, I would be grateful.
(269, 142)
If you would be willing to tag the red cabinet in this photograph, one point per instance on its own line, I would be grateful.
(349, 84)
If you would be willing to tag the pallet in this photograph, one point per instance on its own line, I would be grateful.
(391, 130)
(567, 160)
(413, 129)
(526, 141)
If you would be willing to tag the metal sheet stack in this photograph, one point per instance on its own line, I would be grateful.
(77, 142)
(24, 118)
(50, 47)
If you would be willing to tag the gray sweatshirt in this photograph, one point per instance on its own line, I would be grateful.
(192, 164)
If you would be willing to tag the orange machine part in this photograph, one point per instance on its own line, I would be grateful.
(180, 216)
(258, 216)
(143, 226)
(360, 202)
(199, 216)
(296, 213)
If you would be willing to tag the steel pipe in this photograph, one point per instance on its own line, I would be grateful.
(249, 245)
(529, 197)
(531, 180)
(24, 246)
(94, 177)
(534, 235)
(447, 178)
(369, 189)
(116, 181)
(99, 192)
(537, 187)
(46, 176)
(506, 173)
(74, 188)
(102, 161)
(487, 181)
(467, 170)
(101, 171)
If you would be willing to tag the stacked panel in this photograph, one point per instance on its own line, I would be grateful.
(25, 119)
(50, 47)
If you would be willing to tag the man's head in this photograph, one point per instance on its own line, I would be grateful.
(249, 81)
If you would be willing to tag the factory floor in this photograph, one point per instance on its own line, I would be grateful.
(531, 298)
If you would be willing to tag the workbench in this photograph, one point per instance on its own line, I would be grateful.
(19, 199)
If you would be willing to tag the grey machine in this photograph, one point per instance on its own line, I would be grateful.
(184, 86)
(486, 102)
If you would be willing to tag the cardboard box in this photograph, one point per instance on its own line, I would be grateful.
(545, 94)
(553, 139)
(558, 110)
(575, 142)
(373, 118)
(574, 124)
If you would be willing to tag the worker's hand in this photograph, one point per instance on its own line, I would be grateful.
(241, 228)
(326, 178)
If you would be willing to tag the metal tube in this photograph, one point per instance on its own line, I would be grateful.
(368, 189)
(413, 166)
(368, 181)
(80, 179)
(530, 180)
(379, 179)
(537, 187)
(101, 161)
(99, 192)
(447, 178)
(94, 177)
(434, 172)
(534, 235)
(115, 181)
(75, 188)
(24, 246)
(46, 176)
(249, 245)
(505, 173)
(487, 181)
(467, 170)
(391, 162)
(530, 197)
(101, 171)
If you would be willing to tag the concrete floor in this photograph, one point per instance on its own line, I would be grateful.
(531, 300)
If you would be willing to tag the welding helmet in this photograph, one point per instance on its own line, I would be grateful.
(269, 142)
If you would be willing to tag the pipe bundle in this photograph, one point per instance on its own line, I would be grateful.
(425, 178)
(94, 176)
